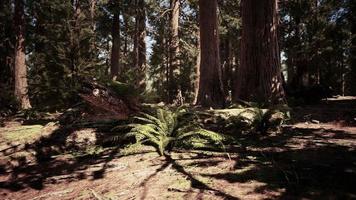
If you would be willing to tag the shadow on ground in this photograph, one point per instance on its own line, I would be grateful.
(49, 165)
(304, 163)
(299, 163)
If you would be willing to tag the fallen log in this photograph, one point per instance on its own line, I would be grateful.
(111, 99)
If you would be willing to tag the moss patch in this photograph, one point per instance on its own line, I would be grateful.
(21, 134)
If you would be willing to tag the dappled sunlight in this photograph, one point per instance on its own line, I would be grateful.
(145, 99)
(278, 167)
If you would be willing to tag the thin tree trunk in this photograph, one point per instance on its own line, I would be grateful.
(259, 77)
(166, 62)
(226, 55)
(20, 70)
(93, 25)
(352, 77)
(135, 38)
(197, 68)
(174, 50)
(140, 46)
(301, 78)
(342, 76)
(211, 92)
(116, 43)
(125, 28)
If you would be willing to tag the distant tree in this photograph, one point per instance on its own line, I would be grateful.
(20, 69)
(6, 46)
(259, 76)
(116, 43)
(211, 92)
(64, 44)
(352, 20)
(315, 41)
(164, 83)
(197, 69)
(230, 35)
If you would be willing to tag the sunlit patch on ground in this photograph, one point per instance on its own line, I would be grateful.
(307, 160)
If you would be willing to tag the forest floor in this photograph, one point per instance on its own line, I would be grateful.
(312, 158)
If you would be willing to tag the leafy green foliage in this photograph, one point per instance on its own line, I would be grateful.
(257, 120)
(162, 85)
(169, 129)
(315, 42)
(8, 104)
(69, 40)
(64, 49)
(122, 89)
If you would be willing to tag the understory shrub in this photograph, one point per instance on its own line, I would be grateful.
(257, 120)
(243, 120)
(168, 129)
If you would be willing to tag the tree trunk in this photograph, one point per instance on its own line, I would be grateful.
(140, 46)
(259, 77)
(211, 92)
(352, 77)
(226, 56)
(125, 29)
(301, 77)
(116, 43)
(197, 69)
(93, 25)
(20, 70)
(174, 50)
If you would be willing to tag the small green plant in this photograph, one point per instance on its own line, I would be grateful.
(122, 89)
(259, 120)
(171, 129)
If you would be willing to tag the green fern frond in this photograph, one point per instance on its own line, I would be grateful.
(168, 128)
(203, 133)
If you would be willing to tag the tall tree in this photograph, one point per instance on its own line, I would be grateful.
(140, 45)
(315, 41)
(6, 47)
(174, 50)
(211, 92)
(116, 43)
(230, 35)
(197, 69)
(259, 76)
(20, 69)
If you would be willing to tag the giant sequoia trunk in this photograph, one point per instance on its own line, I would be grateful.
(174, 51)
(115, 51)
(211, 91)
(20, 57)
(259, 76)
(140, 46)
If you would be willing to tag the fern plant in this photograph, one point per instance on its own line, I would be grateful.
(170, 129)
(255, 119)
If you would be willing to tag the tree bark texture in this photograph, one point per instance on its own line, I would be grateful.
(211, 92)
(197, 69)
(115, 50)
(259, 76)
(174, 51)
(20, 70)
(140, 46)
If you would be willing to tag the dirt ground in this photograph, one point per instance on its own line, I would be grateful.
(313, 158)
